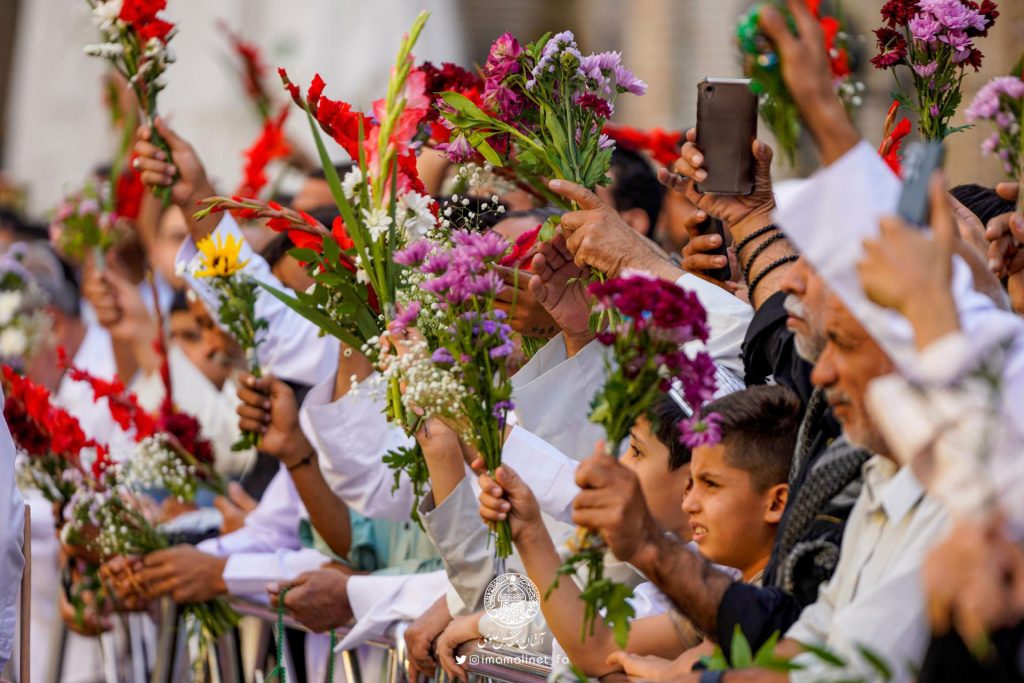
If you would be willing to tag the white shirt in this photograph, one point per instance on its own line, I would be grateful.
(292, 347)
(351, 436)
(875, 598)
(12, 533)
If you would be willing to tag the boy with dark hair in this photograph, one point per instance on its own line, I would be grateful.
(743, 476)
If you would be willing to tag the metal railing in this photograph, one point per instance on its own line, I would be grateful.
(129, 658)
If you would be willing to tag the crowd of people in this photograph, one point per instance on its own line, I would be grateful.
(859, 517)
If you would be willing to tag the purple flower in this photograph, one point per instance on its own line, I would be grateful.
(443, 356)
(926, 70)
(698, 379)
(414, 254)
(483, 246)
(952, 14)
(503, 58)
(701, 430)
(506, 101)
(1004, 119)
(501, 408)
(626, 81)
(933, 110)
(959, 41)
(925, 27)
(990, 144)
(458, 149)
(404, 317)
(506, 349)
(605, 142)
(436, 264)
(986, 103)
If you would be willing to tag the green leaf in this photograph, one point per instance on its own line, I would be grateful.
(480, 144)
(304, 255)
(547, 231)
(463, 105)
(824, 654)
(317, 317)
(876, 661)
(741, 656)
(717, 660)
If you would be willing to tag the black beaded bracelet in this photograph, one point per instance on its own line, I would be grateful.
(789, 258)
(757, 252)
(305, 461)
(753, 236)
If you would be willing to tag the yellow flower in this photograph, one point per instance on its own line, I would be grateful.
(219, 259)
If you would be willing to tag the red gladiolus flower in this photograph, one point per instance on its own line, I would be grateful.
(128, 192)
(662, 145)
(518, 257)
(270, 145)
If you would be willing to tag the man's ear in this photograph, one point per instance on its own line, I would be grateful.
(637, 219)
(776, 498)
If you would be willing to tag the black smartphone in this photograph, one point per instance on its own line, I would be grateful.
(713, 226)
(726, 128)
(920, 161)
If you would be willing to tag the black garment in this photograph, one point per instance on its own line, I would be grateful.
(823, 485)
(949, 661)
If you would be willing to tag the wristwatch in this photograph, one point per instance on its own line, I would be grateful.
(712, 676)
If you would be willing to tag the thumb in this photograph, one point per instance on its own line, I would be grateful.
(617, 658)
(174, 141)
(510, 481)
(583, 197)
(763, 157)
(942, 219)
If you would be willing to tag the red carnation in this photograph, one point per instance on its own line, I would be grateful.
(270, 145)
(154, 28)
(899, 12)
(892, 48)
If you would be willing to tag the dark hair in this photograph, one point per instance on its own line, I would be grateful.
(983, 202)
(635, 185)
(277, 248)
(340, 168)
(665, 418)
(179, 302)
(759, 427)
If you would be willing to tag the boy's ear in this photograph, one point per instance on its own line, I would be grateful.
(776, 503)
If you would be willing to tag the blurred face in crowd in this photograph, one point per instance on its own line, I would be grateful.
(805, 303)
(313, 194)
(203, 343)
(663, 489)
(732, 521)
(170, 234)
(849, 361)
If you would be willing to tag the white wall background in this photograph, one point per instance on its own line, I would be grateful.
(58, 126)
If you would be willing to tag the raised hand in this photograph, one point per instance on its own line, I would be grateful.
(186, 177)
(612, 504)
(557, 285)
(730, 209)
(269, 408)
(1005, 235)
(506, 496)
(598, 237)
(808, 77)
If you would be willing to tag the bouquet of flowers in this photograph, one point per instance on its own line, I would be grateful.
(53, 451)
(465, 380)
(934, 40)
(645, 359)
(219, 263)
(87, 222)
(23, 322)
(761, 65)
(171, 452)
(1001, 101)
(545, 107)
(134, 40)
(381, 201)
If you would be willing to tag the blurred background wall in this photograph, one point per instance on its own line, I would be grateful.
(53, 128)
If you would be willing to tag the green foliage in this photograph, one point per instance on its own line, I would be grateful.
(410, 460)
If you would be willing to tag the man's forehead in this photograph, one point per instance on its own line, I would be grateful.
(837, 319)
